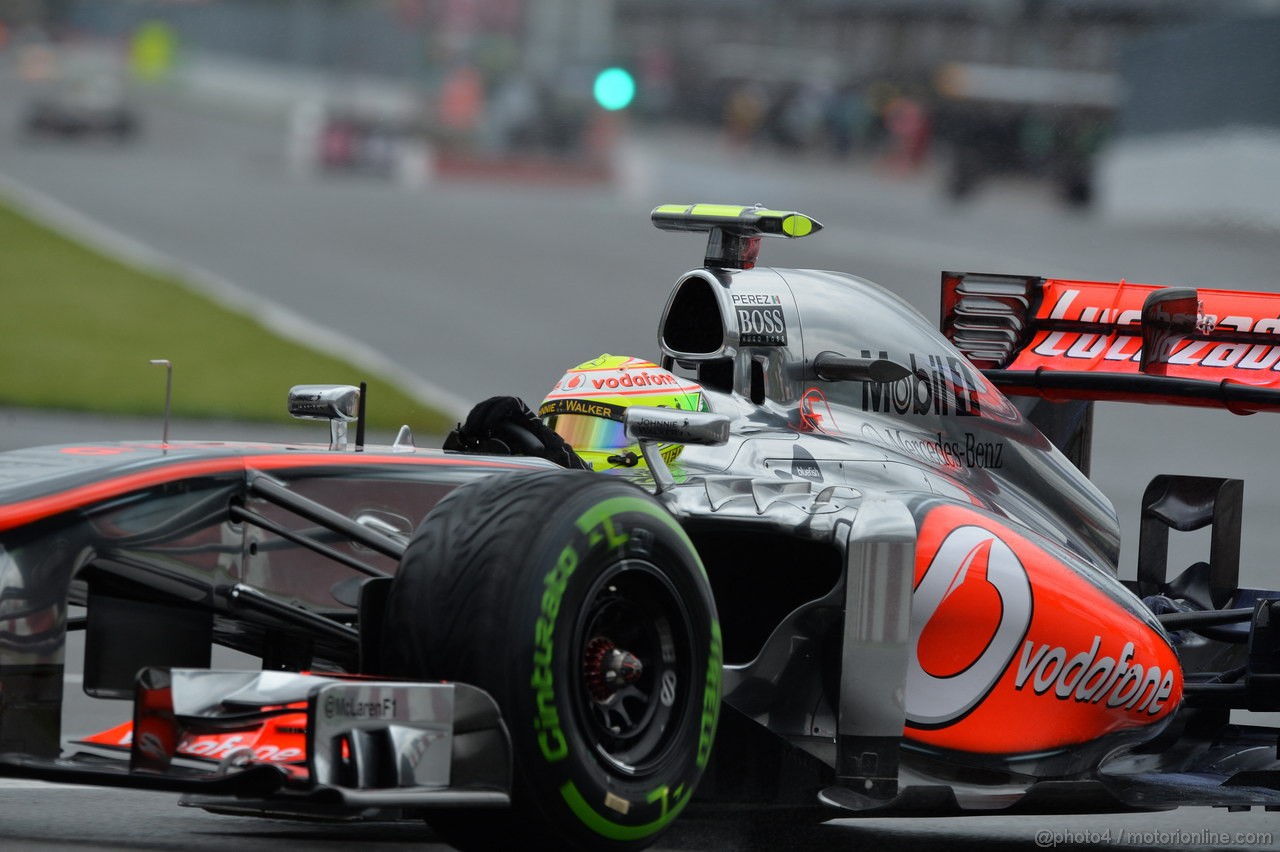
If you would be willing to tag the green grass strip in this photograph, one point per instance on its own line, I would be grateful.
(77, 330)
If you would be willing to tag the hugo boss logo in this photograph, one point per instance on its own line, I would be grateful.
(761, 327)
(760, 319)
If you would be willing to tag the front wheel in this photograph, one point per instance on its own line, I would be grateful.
(580, 605)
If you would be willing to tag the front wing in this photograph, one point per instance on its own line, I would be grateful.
(367, 744)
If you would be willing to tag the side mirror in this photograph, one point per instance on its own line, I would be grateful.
(651, 426)
(339, 404)
(675, 426)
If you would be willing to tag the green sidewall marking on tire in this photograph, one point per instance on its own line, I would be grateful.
(607, 509)
(711, 698)
(612, 830)
(550, 736)
(599, 515)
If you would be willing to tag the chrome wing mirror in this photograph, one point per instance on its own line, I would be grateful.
(650, 426)
(339, 404)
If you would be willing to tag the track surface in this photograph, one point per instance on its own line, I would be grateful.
(485, 289)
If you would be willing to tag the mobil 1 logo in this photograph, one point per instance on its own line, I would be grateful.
(760, 321)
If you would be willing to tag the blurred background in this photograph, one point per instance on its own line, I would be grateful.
(450, 197)
(1104, 102)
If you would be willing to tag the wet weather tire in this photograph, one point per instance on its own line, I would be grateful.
(580, 605)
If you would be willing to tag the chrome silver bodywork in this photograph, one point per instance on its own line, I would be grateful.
(854, 465)
(944, 430)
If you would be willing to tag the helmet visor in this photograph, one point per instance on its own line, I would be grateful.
(585, 432)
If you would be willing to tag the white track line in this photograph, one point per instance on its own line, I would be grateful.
(277, 318)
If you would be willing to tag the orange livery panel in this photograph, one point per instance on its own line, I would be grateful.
(279, 740)
(1088, 340)
(1013, 650)
(1090, 325)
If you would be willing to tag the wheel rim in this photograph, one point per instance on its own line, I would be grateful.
(633, 617)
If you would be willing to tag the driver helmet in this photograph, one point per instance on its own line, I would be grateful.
(586, 407)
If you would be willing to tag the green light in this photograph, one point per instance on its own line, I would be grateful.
(614, 88)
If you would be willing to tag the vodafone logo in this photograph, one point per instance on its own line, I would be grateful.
(1088, 677)
(969, 615)
(213, 747)
(634, 379)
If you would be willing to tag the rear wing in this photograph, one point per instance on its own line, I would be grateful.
(1068, 340)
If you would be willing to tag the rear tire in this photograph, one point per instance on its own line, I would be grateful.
(580, 605)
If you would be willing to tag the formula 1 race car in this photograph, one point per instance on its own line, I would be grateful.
(865, 575)
(84, 108)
